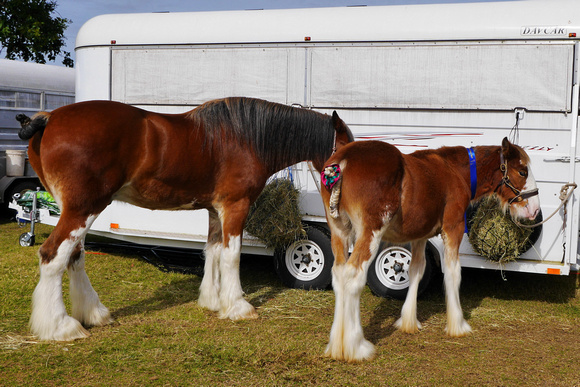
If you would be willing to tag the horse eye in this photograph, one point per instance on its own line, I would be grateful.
(523, 173)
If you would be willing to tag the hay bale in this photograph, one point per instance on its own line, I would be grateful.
(275, 218)
(494, 235)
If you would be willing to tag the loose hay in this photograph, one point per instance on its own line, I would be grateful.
(494, 235)
(275, 218)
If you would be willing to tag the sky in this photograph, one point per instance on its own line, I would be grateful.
(80, 12)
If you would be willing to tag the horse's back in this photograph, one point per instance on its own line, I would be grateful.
(97, 121)
(93, 145)
(385, 158)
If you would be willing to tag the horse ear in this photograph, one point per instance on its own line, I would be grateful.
(505, 146)
(336, 121)
(508, 149)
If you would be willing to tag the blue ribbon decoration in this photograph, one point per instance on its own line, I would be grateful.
(473, 171)
(473, 178)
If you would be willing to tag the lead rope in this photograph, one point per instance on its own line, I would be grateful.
(565, 193)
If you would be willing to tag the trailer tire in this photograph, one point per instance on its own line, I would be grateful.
(17, 187)
(26, 240)
(388, 273)
(307, 263)
(20, 187)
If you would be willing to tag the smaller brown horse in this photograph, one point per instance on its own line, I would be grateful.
(383, 195)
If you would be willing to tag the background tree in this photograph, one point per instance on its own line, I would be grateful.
(28, 30)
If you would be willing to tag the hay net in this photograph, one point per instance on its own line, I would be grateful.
(275, 217)
(494, 235)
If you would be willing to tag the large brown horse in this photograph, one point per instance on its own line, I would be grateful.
(217, 156)
(381, 194)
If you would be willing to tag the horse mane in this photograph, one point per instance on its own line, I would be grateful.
(278, 133)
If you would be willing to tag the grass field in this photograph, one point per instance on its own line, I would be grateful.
(526, 331)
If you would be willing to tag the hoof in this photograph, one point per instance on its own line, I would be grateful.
(240, 310)
(209, 302)
(364, 350)
(67, 329)
(97, 317)
(458, 330)
(412, 326)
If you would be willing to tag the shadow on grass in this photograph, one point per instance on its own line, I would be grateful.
(381, 324)
(177, 292)
(476, 285)
(256, 274)
(518, 286)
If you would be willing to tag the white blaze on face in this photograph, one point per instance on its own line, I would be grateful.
(530, 207)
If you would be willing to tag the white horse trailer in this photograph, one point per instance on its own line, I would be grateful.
(417, 76)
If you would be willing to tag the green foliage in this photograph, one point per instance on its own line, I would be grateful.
(28, 30)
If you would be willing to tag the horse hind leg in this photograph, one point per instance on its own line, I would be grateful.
(408, 322)
(339, 242)
(86, 305)
(49, 319)
(347, 340)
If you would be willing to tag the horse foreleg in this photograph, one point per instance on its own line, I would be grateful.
(232, 303)
(49, 319)
(86, 306)
(347, 340)
(210, 284)
(408, 322)
(456, 324)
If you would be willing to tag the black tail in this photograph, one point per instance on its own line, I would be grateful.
(30, 126)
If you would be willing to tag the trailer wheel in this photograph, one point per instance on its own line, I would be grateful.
(26, 239)
(388, 274)
(19, 187)
(307, 263)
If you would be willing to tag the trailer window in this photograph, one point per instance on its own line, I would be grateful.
(474, 76)
(19, 100)
(191, 76)
(53, 101)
